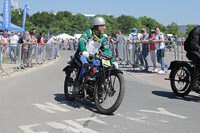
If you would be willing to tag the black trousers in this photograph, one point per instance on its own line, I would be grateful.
(194, 56)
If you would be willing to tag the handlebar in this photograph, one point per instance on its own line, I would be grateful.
(105, 55)
(100, 54)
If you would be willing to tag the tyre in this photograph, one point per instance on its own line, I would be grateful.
(68, 85)
(107, 98)
(181, 81)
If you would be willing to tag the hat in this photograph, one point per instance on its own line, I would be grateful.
(119, 32)
(143, 29)
(134, 30)
(152, 31)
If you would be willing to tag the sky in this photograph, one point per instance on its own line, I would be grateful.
(182, 12)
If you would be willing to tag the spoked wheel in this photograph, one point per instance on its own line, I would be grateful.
(69, 82)
(109, 96)
(181, 81)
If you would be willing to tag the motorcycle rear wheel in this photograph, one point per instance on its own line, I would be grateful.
(181, 81)
(70, 78)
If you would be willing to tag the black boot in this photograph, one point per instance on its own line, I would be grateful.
(196, 86)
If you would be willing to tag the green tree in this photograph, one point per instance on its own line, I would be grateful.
(189, 28)
(126, 23)
(173, 28)
(43, 19)
(150, 23)
(79, 24)
(63, 14)
(16, 18)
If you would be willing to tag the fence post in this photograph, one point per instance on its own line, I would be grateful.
(175, 45)
(20, 56)
(1, 66)
(1, 60)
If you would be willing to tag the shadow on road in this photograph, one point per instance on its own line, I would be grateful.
(171, 95)
(138, 71)
(77, 104)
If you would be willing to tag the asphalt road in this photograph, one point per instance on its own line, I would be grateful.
(33, 102)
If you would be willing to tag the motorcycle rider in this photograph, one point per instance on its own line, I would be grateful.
(83, 57)
(192, 46)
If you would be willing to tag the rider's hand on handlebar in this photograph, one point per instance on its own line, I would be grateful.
(115, 65)
(85, 54)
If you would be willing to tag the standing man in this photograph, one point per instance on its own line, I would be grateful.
(133, 39)
(13, 39)
(120, 41)
(145, 49)
(76, 43)
(49, 45)
(5, 37)
(32, 46)
(27, 41)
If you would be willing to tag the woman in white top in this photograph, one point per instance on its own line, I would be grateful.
(160, 46)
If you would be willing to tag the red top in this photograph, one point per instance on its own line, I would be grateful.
(152, 45)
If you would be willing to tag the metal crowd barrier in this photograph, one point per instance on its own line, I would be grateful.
(173, 51)
(19, 56)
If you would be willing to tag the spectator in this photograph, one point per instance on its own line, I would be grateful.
(70, 44)
(145, 49)
(13, 39)
(110, 43)
(55, 47)
(152, 47)
(27, 41)
(160, 46)
(1, 43)
(5, 37)
(32, 46)
(49, 45)
(134, 37)
(40, 40)
(76, 43)
(120, 41)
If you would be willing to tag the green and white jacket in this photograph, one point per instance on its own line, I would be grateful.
(86, 36)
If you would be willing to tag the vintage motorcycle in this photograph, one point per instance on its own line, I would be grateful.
(183, 76)
(103, 85)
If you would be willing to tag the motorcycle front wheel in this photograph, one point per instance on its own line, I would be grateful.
(108, 96)
(181, 81)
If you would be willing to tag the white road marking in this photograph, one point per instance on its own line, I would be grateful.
(72, 127)
(164, 112)
(50, 107)
(164, 121)
(139, 119)
(27, 128)
(92, 119)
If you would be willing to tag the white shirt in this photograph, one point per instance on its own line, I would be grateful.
(14, 40)
(131, 38)
(159, 45)
(50, 41)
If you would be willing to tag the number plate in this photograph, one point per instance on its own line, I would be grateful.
(106, 62)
